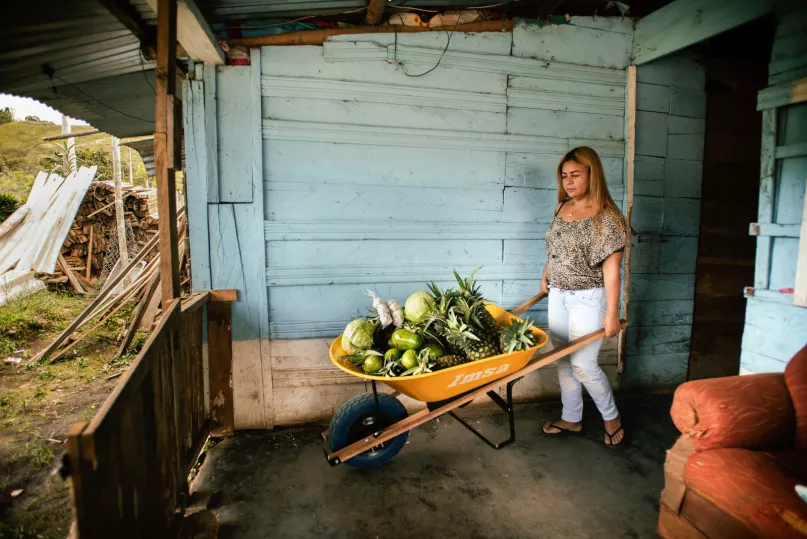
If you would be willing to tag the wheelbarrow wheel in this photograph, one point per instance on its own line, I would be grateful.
(358, 418)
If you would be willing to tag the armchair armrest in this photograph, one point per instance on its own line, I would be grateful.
(750, 412)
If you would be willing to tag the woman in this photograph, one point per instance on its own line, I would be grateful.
(584, 247)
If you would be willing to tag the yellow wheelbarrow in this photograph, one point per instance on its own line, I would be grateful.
(370, 429)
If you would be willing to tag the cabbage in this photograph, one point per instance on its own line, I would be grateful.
(418, 306)
(358, 336)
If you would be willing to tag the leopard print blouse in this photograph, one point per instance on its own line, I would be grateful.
(575, 253)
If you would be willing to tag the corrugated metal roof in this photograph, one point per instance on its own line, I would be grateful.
(145, 147)
(99, 74)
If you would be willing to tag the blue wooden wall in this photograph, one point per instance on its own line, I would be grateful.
(317, 173)
(776, 329)
(376, 179)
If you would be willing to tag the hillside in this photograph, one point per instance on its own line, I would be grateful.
(22, 151)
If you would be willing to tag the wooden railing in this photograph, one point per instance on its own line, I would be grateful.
(129, 465)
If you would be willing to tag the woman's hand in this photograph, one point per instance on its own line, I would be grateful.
(544, 285)
(611, 323)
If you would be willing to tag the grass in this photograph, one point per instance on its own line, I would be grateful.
(40, 401)
(28, 318)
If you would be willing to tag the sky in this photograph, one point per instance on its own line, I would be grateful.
(25, 106)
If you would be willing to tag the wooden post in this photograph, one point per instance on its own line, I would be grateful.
(630, 150)
(123, 252)
(164, 158)
(131, 175)
(71, 145)
(375, 11)
(88, 269)
(220, 347)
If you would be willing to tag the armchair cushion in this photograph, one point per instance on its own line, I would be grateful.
(751, 486)
(750, 412)
(796, 380)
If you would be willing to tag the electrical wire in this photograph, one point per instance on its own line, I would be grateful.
(143, 71)
(101, 103)
(448, 42)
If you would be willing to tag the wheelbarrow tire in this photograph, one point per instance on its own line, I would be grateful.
(350, 424)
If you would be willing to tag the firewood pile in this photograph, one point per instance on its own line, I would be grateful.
(93, 235)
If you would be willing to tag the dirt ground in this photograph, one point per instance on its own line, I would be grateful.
(40, 401)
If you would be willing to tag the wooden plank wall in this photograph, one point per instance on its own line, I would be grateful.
(375, 179)
(129, 465)
(372, 177)
(775, 328)
(670, 126)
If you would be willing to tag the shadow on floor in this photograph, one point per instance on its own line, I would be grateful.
(445, 483)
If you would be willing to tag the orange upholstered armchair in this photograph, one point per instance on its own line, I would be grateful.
(743, 448)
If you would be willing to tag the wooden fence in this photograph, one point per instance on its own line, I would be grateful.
(129, 465)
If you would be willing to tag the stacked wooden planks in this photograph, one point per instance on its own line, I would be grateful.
(93, 232)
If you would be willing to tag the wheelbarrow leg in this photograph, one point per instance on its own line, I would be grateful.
(507, 406)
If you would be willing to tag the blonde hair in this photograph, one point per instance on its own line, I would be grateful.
(597, 188)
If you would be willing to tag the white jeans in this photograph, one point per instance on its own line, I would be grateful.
(572, 314)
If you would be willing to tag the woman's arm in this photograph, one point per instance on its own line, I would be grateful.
(610, 270)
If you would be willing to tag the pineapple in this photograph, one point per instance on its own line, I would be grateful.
(473, 315)
(450, 360)
(460, 336)
(517, 336)
(469, 290)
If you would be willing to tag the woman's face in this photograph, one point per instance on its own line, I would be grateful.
(575, 178)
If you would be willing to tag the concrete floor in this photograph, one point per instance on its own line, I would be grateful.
(447, 483)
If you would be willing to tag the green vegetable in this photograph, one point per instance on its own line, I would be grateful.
(433, 351)
(409, 359)
(358, 336)
(418, 306)
(372, 364)
(406, 340)
(393, 354)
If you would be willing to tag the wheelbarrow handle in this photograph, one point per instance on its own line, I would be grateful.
(524, 307)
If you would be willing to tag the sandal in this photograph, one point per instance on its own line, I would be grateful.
(562, 430)
(619, 445)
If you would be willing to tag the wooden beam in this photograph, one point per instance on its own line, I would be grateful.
(97, 301)
(137, 316)
(193, 33)
(767, 168)
(71, 135)
(88, 270)
(630, 151)
(789, 93)
(71, 276)
(774, 230)
(224, 295)
(220, 346)
(685, 22)
(129, 17)
(317, 37)
(164, 174)
(527, 305)
(375, 12)
(120, 220)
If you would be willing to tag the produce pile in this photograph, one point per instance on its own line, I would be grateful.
(435, 329)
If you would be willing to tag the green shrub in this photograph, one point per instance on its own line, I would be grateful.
(8, 204)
